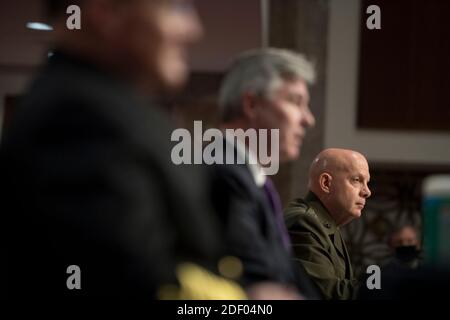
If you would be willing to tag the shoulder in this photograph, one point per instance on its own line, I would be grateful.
(301, 217)
(69, 100)
(300, 211)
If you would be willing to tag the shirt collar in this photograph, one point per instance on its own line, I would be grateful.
(251, 160)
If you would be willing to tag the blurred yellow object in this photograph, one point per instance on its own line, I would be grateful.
(197, 283)
(230, 267)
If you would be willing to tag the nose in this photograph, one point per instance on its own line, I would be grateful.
(366, 193)
(190, 25)
(308, 119)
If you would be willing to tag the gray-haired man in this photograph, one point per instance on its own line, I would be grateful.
(264, 89)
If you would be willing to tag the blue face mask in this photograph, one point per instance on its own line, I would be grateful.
(407, 253)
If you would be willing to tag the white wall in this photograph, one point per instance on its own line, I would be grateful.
(341, 101)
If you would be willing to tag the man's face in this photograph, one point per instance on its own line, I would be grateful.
(155, 35)
(287, 109)
(405, 237)
(349, 189)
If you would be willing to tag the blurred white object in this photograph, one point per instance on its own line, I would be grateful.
(39, 26)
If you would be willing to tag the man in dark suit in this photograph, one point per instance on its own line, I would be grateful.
(264, 89)
(338, 181)
(86, 169)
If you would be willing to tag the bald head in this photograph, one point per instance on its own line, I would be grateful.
(333, 160)
(339, 177)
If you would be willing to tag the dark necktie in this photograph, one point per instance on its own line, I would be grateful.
(275, 202)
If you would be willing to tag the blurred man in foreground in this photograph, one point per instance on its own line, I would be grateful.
(86, 165)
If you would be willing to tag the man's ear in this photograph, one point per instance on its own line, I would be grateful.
(249, 105)
(325, 182)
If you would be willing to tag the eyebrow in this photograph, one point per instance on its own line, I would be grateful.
(366, 178)
(297, 97)
(359, 175)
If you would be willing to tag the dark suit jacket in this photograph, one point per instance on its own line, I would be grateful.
(251, 231)
(319, 247)
(88, 179)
